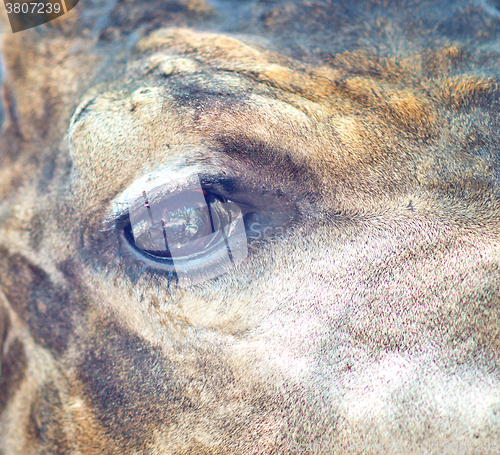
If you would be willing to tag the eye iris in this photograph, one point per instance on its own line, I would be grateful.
(184, 230)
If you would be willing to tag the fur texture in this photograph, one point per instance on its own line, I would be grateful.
(371, 127)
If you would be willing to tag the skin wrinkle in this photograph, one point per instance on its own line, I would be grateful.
(369, 129)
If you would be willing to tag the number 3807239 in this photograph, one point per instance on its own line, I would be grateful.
(33, 8)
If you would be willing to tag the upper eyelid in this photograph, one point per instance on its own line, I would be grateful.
(149, 182)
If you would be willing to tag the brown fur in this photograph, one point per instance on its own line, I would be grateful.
(371, 127)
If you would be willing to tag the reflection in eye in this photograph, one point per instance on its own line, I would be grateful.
(181, 225)
(200, 234)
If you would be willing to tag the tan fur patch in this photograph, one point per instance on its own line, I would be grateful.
(360, 143)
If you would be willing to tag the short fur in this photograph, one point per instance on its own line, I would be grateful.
(374, 318)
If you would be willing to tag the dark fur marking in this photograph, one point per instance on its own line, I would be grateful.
(11, 136)
(469, 22)
(131, 387)
(47, 174)
(36, 232)
(205, 93)
(45, 424)
(258, 160)
(152, 14)
(4, 326)
(68, 269)
(13, 369)
(45, 307)
(2, 114)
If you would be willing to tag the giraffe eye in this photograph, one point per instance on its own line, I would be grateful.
(183, 226)
(184, 229)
